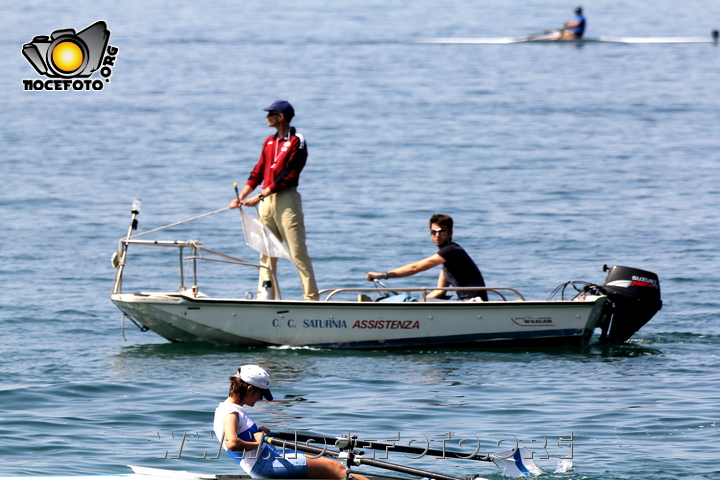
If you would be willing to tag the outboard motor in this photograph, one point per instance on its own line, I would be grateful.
(635, 295)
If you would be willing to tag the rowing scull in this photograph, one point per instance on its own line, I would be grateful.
(550, 38)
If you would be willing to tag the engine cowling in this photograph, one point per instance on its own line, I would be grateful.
(635, 297)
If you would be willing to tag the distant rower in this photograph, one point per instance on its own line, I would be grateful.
(574, 30)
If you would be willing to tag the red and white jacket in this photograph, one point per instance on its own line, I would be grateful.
(281, 162)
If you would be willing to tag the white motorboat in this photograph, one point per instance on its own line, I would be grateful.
(352, 318)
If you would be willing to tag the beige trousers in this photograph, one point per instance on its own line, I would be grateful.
(282, 213)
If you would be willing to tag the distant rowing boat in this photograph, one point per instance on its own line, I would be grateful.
(550, 37)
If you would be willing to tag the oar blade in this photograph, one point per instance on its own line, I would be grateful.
(517, 462)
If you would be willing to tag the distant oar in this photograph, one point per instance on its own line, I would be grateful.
(544, 34)
(363, 461)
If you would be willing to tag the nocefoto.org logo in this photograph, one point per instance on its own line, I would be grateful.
(69, 58)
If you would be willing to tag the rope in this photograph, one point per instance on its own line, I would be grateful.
(178, 223)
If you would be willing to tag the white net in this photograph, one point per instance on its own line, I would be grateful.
(260, 238)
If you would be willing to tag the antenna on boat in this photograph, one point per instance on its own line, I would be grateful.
(118, 258)
(136, 206)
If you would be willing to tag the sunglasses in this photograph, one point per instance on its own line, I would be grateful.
(438, 232)
(272, 114)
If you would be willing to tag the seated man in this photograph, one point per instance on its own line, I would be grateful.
(574, 30)
(458, 270)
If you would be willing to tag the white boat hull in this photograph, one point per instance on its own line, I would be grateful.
(144, 473)
(550, 39)
(140, 473)
(341, 324)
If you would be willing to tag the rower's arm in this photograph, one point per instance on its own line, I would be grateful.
(231, 440)
(409, 269)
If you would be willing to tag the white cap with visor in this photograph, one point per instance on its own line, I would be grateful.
(256, 376)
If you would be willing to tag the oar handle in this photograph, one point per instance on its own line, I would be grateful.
(434, 452)
(358, 459)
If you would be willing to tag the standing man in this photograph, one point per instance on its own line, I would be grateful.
(458, 270)
(282, 159)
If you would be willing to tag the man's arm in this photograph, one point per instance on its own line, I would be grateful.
(409, 269)
(256, 177)
(442, 282)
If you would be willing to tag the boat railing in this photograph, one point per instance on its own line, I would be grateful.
(422, 290)
(119, 260)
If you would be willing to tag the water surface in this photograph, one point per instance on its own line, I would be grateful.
(552, 159)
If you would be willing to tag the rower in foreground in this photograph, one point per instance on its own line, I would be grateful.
(244, 441)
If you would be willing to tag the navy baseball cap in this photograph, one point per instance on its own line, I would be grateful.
(282, 106)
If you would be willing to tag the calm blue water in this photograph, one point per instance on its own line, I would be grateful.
(553, 160)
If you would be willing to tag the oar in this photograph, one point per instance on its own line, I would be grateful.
(358, 459)
(515, 462)
(303, 437)
(536, 36)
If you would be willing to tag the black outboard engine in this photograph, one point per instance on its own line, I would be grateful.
(635, 295)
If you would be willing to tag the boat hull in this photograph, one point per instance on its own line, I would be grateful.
(145, 473)
(550, 39)
(363, 325)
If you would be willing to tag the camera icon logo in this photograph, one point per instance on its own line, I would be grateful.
(68, 54)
